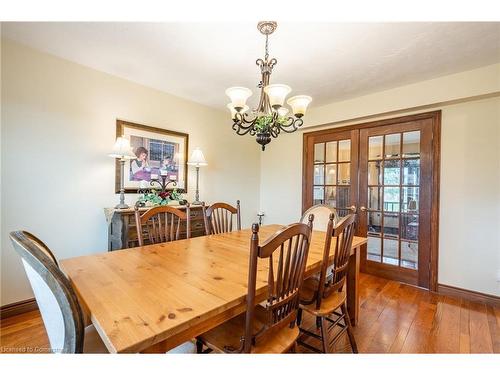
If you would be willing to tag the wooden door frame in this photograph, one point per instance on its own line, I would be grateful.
(435, 117)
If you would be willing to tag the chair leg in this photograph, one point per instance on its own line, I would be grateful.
(299, 317)
(347, 320)
(199, 346)
(324, 335)
(318, 322)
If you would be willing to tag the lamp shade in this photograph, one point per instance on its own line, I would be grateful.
(233, 111)
(122, 149)
(238, 96)
(282, 111)
(299, 104)
(197, 158)
(277, 94)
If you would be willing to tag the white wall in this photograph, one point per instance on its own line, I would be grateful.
(469, 237)
(469, 250)
(58, 125)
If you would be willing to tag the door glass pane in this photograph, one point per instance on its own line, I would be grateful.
(410, 199)
(331, 174)
(375, 147)
(411, 172)
(374, 248)
(391, 251)
(409, 227)
(344, 174)
(318, 194)
(391, 225)
(343, 199)
(343, 212)
(392, 146)
(345, 150)
(319, 174)
(391, 172)
(411, 144)
(374, 173)
(331, 196)
(331, 152)
(409, 254)
(391, 199)
(374, 222)
(319, 152)
(374, 201)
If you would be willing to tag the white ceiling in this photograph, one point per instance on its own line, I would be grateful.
(329, 61)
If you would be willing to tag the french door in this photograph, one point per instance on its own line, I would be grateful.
(387, 173)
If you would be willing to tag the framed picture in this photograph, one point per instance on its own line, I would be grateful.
(158, 152)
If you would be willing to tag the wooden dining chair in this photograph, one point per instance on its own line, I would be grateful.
(268, 327)
(323, 297)
(218, 217)
(321, 214)
(161, 224)
(61, 312)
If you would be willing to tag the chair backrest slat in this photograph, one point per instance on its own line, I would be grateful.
(161, 224)
(289, 247)
(218, 218)
(56, 299)
(343, 233)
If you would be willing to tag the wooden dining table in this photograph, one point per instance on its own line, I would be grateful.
(153, 298)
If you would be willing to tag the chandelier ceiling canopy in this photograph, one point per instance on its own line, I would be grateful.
(271, 116)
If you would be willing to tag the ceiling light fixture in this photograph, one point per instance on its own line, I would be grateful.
(270, 116)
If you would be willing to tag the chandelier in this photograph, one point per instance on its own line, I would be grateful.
(270, 117)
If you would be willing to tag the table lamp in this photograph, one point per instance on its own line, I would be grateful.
(198, 160)
(123, 151)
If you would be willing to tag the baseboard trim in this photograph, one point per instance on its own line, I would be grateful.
(17, 308)
(469, 295)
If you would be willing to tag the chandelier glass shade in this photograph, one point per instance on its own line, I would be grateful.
(270, 117)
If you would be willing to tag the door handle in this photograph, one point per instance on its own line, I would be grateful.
(363, 208)
(352, 208)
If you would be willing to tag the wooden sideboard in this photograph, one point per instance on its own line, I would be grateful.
(122, 232)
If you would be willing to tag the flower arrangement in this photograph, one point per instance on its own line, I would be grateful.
(161, 198)
(263, 122)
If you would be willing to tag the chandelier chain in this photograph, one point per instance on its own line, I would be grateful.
(266, 56)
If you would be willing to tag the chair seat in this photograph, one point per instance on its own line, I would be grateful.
(92, 342)
(229, 335)
(328, 304)
(309, 286)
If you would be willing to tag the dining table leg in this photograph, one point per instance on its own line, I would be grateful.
(353, 285)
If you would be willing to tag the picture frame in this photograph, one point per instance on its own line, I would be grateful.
(159, 151)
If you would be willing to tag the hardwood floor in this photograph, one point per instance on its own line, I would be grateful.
(394, 318)
(23, 333)
(399, 318)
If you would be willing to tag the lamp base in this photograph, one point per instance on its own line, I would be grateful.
(122, 206)
(197, 203)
